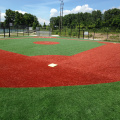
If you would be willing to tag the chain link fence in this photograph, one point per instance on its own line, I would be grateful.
(15, 31)
(92, 34)
(40, 31)
(75, 32)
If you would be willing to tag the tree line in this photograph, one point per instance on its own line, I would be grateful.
(19, 19)
(110, 19)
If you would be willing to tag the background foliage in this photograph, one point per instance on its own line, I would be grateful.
(18, 19)
(110, 19)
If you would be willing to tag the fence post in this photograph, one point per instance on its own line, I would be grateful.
(60, 31)
(94, 35)
(4, 31)
(88, 34)
(17, 31)
(23, 30)
(79, 32)
(39, 33)
(107, 35)
(49, 32)
(83, 34)
(119, 38)
(9, 30)
(65, 31)
(28, 31)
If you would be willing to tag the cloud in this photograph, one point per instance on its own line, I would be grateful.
(20, 11)
(103, 11)
(2, 17)
(41, 21)
(83, 9)
(53, 13)
(66, 12)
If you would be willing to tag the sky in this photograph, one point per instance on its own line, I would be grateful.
(45, 9)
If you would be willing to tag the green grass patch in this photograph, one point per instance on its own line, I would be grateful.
(90, 102)
(26, 46)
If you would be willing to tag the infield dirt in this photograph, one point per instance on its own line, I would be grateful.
(94, 66)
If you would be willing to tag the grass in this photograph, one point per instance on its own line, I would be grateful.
(27, 47)
(91, 102)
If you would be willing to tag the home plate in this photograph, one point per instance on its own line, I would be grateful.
(52, 65)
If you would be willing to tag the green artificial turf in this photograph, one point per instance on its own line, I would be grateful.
(90, 102)
(26, 46)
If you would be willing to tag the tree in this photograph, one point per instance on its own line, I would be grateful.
(97, 18)
(116, 22)
(54, 22)
(110, 15)
(44, 26)
(9, 17)
(19, 19)
(110, 18)
(29, 19)
(35, 23)
(2, 24)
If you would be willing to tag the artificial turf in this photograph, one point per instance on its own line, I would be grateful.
(25, 46)
(90, 102)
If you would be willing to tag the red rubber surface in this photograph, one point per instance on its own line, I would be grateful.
(95, 66)
(46, 42)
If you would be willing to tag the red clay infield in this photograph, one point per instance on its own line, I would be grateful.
(46, 42)
(95, 66)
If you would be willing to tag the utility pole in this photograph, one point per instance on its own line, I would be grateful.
(61, 15)
(79, 24)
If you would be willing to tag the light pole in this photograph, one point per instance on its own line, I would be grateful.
(0, 19)
(79, 24)
(61, 15)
